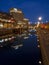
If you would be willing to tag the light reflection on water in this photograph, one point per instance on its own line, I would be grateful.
(26, 37)
(26, 52)
(17, 46)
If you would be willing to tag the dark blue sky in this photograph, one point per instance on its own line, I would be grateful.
(32, 9)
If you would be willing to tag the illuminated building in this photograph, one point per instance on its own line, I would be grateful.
(17, 14)
(11, 24)
(14, 20)
(21, 22)
(25, 23)
(6, 23)
(44, 25)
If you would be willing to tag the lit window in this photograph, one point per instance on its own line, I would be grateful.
(1, 25)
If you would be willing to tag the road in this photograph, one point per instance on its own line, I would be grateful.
(44, 43)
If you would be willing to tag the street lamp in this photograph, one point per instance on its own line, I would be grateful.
(40, 18)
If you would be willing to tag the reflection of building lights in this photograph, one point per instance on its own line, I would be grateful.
(38, 46)
(40, 62)
(2, 40)
(9, 38)
(6, 39)
(12, 37)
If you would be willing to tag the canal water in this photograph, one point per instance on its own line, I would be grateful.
(27, 54)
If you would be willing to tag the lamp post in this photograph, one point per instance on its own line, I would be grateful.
(40, 18)
(39, 21)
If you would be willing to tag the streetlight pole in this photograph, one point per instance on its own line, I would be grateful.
(39, 21)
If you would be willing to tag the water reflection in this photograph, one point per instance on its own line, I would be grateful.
(21, 51)
(17, 46)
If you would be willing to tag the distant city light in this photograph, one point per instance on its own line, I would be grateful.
(40, 18)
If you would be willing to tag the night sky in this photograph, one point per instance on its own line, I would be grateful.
(32, 9)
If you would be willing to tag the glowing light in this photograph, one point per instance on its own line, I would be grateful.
(38, 46)
(25, 19)
(40, 62)
(1, 25)
(6, 39)
(40, 18)
(2, 40)
(38, 40)
(13, 37)
(9, 20)
(29, 23)
(15, 9)
(17, 46)
(26, 37)
(19, 11)
(9, 38)
(38, 23)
